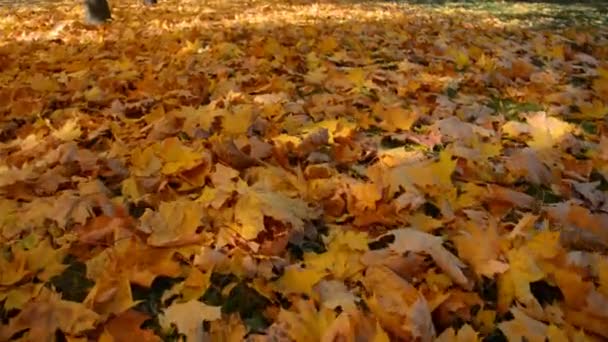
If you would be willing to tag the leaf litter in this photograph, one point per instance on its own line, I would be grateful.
(271, 171)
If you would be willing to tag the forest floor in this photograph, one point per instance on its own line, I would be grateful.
(304, 171)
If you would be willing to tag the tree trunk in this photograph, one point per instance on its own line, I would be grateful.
(149, 2)
(97, 11)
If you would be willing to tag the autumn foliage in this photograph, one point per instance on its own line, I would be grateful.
(272, 171)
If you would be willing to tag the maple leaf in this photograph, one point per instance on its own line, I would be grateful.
(342, 258)
(188, 318)
(411, 240)
(145, 162)
(546, 131)
(464, 334)
(69, 317)
(175, 223)
(193, 287)
(110, 295)
(297, 279)
(334, 293)
(515, 283)
(178, 157)
(69, 131)
(127, 326)
(256, 202)
(16, 298)
(484, 258)
(305, 322)
(523, 326)
(13, 269)
(398, 305)
(45, 261)
(396, 118)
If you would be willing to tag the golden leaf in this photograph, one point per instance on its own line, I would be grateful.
(188, 317)
(178, 157)
(175, 223)
(66, 316)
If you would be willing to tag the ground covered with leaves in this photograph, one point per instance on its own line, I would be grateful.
(272, 171)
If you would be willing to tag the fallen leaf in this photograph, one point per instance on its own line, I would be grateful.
(188, 318)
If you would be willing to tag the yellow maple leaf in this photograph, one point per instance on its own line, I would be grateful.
(110, 295)
(199, 117)
(231, 331)
(411, 240)
(470, 195)
(190, 47)
(94, 94)
(304, 322)
(46, 261)
(334, 294)
(555, 334)
(522, 326)
(39, 82)
(297, 279)
(228, 50)
(431, 177)
(545, 244)
(380, 335)
(316, 76)
(460, 57)
(69, 131)
(177, 156)
(357, 77)
(573, 287)
(16, 298)
(256, 202)
(239, 121)
(546, 130)
(440, 171)
(505, 291)
(523, 271)
(464, 334)
(188, 317)
(424, 222)
(396, 118)
(145, 162)
(399, 307)
(175, 222)
(193, 287)
(327, 45)
(69, 317)
(343, 255)
(130, 188)
(13, 269)
(484, 320)
(600, 85)
(483, 257)
(593, 110)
